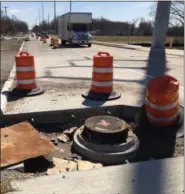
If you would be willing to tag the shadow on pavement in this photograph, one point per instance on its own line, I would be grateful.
(156, 64)
(155, 140)
(93, 103)
(67, 46)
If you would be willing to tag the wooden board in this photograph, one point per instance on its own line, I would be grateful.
(20, 142)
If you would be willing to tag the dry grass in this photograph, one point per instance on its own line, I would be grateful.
(133, 39)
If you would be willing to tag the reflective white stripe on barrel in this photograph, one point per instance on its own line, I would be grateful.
(167, 107)
(102, 70)
(29, 81)
(102, 84)
(24, 69)
(162, 119)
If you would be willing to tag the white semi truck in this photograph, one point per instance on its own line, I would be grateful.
(74, 28)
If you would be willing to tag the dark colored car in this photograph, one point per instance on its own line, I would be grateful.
(38, 34)
(45, 34)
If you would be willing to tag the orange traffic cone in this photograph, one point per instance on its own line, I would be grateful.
(51, 42)
(25, 74)
(44, 39)
(102, 78)
(56, 43)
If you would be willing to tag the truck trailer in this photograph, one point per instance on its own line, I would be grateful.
(74, 28)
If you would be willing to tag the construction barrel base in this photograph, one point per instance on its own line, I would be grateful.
(143, 123)
(33, 92)
(101, 96)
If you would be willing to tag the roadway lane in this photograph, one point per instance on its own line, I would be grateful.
(66, 73)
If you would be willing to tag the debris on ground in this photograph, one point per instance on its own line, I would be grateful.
(63, 138)
(54, 140)
(62, 165)
(74, 157)
(86, 165)
(70, 131)
(62, 150)
(20, 142)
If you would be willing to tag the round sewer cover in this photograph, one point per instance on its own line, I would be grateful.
(105, 129)
(105, 124)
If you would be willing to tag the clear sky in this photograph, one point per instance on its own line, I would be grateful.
(118, 11)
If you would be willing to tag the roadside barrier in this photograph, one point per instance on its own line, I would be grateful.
(44, 39)
(162, 100)
(55, 43)
(102, 78)
(51, 42)
(162, 109)
(25, 75)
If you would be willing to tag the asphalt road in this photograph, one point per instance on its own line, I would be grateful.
(65, 73)
(9, 48)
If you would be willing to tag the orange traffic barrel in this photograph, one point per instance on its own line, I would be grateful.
(44, 39)
(162, 100)
(162, 111)
(102, 78)
(26, 76)
(51, 41)
(55, 43)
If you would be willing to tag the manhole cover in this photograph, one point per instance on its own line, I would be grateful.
(105, 124)
(106, 139)
(105, 130)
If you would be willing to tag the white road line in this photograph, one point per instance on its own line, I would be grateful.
(149, 76)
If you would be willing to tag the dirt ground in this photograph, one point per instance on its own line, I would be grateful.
(65, 152)
(9, 48)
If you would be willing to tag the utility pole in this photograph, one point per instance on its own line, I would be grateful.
(42, 11)
(5, 9)
(161, 24)
(70, 6)
(70, 14)
(48, 22)
(39, 16)
(13, 18)
(55, 17)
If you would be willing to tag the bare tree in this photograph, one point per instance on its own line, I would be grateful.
(12, 25)
(176, 13)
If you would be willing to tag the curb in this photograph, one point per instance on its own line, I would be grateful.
(8, 84)
(124, 46)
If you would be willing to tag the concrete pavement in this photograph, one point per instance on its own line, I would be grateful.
(152, 177)
(66, 73)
